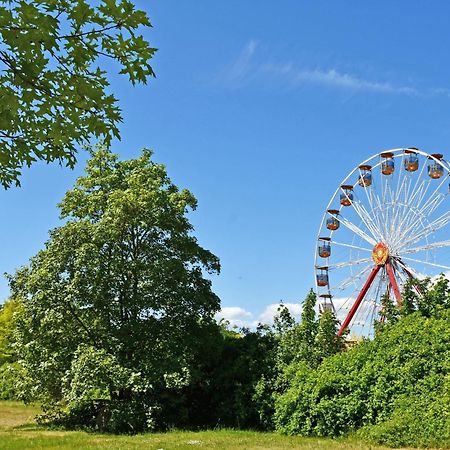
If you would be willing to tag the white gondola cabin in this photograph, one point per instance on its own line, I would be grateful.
(326, 303)
(332, 222)
(411, 159)
(346, 196)
(324, 247)
(365, 175)
(435, 170)
(387, 163)
(322, 276)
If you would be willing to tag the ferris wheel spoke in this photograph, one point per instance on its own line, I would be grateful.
(429, 229)
(355, 247)
(377, 202)
(406, 272)
(370, 300)
(404, 238)
(384, 188)
(399, 203)
(416, 225)
(352, 227)
(371, 306)
(348, 263)
(422, 248)
(410, 214)
(365, 217)
(412, 192)
(423, 192)
(437, 194)
(401, 180)
(373, 202)
(429, 206)
(343, 304)
(413, 199)
(440, 266)
(436, 191)
(394, 211)
(409, 270)
(344, 284)
(383, 185)
(432, 206)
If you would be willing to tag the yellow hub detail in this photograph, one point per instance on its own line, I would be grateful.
(380, 254)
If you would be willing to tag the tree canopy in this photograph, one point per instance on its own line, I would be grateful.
(116, 303)
(54, 88)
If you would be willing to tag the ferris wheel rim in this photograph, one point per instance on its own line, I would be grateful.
(395, 151)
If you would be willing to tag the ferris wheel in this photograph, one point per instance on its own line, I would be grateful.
(387, 222)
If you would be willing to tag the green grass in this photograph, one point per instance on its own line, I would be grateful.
(18, 431)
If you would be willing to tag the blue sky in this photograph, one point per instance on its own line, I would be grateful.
(261, 109)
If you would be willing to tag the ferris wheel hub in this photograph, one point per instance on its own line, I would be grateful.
(380, 254)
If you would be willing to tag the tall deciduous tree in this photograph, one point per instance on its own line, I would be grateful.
(117, 301)
(54, 91)
(327, 342)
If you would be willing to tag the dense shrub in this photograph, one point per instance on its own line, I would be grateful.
(228, 369)
(395, 382)
(421, 420)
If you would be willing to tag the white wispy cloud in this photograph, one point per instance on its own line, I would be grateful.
(252, 65)
(334, 78)
(241, 69)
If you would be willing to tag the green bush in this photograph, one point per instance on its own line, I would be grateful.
(394, 383)
(417, 421)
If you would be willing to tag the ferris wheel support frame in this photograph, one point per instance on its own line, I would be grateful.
(358, 300)
(393, 281)
(366, 287)
(424, 199)
(410, 275)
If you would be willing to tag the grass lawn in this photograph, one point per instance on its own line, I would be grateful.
(18, 431)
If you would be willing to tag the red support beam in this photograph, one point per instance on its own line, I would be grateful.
(393, 281)
(358, 300)
(406, 270)
(410, 275)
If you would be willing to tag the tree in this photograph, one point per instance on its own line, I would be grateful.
(10, 372)
(327, 341)
(294, 344)
(300, 343)
(8, 312)
(53, 85)
(116, 303)
(309, 323)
